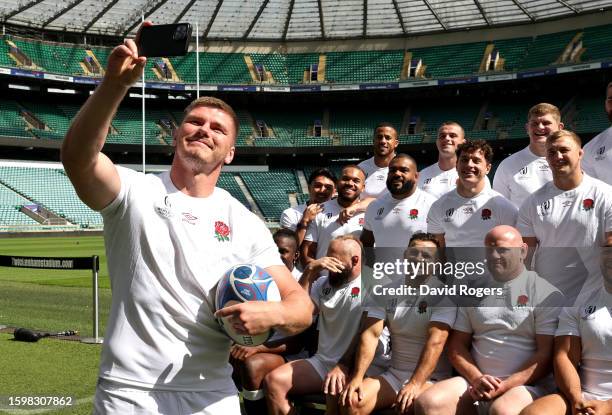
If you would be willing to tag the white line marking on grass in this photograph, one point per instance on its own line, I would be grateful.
(77, 402)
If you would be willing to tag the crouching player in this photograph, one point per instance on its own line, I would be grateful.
(503, 347)
(418, 334)
(252, 364)
(337, 298)
(583, 340)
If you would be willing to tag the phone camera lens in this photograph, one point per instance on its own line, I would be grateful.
(180, 33)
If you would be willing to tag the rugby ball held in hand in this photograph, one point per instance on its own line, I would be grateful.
(245, 282)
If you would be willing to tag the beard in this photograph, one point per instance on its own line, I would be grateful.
(336, 279)
(405, 188)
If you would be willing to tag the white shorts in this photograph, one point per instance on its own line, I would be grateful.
(398, 378)
(543, 388)
(112, 398)
(323, 367)
(589, 396)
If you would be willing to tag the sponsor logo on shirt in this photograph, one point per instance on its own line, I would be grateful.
(588, 311)
(427, 181)
(222, 231)
(422, 307)
(326, 291)
(601, 153)
(391, 306)
(468, 210)
(189, 218)
(165, 209)
(544, 208)
(587, 204)
(486, 214)
(396, 211)
(544, 167)
(566, 203)
(329, 215)
(380, 211)
(449, 214)
(414, 214)
(380, 177)
(523, 171)
(443, 181)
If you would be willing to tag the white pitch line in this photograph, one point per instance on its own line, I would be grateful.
(45, 410)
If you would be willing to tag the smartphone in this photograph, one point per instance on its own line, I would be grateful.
(164, 40)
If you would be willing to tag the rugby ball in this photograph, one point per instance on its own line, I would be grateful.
(245, 282)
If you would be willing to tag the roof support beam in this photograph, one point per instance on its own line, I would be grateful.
(365, 18)
(569, 6)
(482, 12)
(321, 19)
(212, 19)
(22, 8)
(288, 19)
(399, 16)
(254, 22)
(147, 14)
(61, 12)
(182, 13)
(524, 10)
(99, 15)
(433, 11)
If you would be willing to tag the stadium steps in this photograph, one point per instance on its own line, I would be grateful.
(248, 199)
(270, 190)
(36, 183)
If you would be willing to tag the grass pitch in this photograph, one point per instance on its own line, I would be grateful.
(50, 300)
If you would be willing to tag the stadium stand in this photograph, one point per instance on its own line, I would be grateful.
(442, 61)
(270, 190)
(10, 203)
(51, 189)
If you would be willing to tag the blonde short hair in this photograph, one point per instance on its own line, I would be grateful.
(215, 103)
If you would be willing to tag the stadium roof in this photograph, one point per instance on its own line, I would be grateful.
(289, 19)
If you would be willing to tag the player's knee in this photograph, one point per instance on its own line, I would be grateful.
(503, 407)
(275, 382)
(254, 369)
(358, 408)
(429, 402)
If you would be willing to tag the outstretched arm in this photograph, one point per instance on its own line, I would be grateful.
(93, 175)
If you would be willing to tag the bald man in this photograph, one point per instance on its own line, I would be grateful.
(503, 348)
(337, 300)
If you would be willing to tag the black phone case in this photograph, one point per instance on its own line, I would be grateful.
(161, 41)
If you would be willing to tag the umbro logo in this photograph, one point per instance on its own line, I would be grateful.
(523, 171)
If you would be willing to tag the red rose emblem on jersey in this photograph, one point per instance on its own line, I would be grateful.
(361, 221)
(414, 213)
(587, 204)
(222, 231)
(354, 292)
(486, 214)
(522, 300)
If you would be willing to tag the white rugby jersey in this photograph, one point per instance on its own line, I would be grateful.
(408, 326)
(292, 216)
(376, 179)
(394, 221)
(339, 316)
(465, 222)
(521, 174)
(504, 328)
(576, 220)
(597, 159)
(326, 227)
(437, 182)
(166, 252)
(591, 320)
